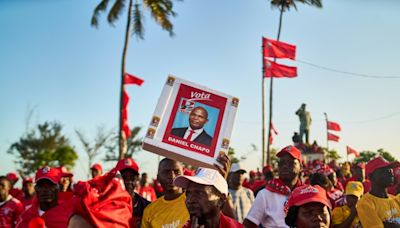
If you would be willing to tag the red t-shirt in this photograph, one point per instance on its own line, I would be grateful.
(9, 212)
(27, 203)
(56, 217)
(224, 222)
(148, 193)
(17, 193)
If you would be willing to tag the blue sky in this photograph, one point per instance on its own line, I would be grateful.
(51, 59)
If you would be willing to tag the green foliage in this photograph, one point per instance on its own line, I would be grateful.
(231, 154)
(134, 144)
(287, 4)
(331, 154)
(160, 10)
(366, 156)
(43, 146)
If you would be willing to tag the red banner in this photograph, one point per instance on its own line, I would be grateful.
(352, 151)
(278, 49)
(333, 126)
(273, 69)
(131, 79)
(333, 137)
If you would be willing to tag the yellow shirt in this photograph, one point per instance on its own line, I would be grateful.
(340, 214)
(166, 213)
(373, 211)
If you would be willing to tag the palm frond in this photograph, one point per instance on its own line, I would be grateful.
(116, 11)
(99, 8)
(161, 11)
(137, 22)
(288, 4)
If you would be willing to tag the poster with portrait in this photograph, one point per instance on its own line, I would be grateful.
(191, 123)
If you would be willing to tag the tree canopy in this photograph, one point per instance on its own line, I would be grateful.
(41, 146)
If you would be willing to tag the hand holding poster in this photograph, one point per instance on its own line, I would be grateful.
(191, 123)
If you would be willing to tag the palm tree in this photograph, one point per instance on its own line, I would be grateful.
(282, 5)
(160, 10)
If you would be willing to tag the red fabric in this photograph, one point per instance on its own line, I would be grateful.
(267, 168)
(377, 163)
(56, 217)
(131, 79)
(148, 193)
(333, 126)
(103, 201)
(307, 194)
(333, 137)
(278, 49)
(64, 196)
(127, 163)
(37, 222)
(125, 126)
(336, 198)
(276, 185)
(224, 222)
(352, 151)
(27, 202)
(157, 186)
(272, 131)
(9, 213)
(293, 151)
(65, 172)
(12, 177)
(97, 166)
(273, 69)
(49, 173)
(257, 185)
(17, 193)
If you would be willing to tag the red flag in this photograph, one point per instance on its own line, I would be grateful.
(333, 137)
(352, 151)
(333, 126)
(278, 49)
(273, 69)
(272, 131)
(131, 79)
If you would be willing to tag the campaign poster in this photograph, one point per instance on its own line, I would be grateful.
(195, 120)
(191, 123)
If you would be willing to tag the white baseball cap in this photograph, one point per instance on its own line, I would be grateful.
(204, 176)
(237, 167)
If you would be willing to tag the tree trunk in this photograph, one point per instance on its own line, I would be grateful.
(270, 92)
(122, 139)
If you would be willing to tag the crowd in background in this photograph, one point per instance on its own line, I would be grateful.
(294, 193)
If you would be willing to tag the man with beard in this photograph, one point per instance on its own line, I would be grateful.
(47, 209)
(377, 208)
(268, 207)
(169, 210)
(206, 194)
(130, 174)
(10, 207)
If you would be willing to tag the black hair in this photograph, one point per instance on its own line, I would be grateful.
(5, 178)
(321, 180)
(291, 216)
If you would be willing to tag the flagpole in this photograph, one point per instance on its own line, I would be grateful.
(327, 141)
(270, 91)
(263, 106)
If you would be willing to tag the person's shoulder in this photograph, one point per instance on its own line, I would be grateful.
(15, 201)
(155, 204)
(225, 221)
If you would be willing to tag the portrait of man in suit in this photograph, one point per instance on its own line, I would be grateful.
(195, 132)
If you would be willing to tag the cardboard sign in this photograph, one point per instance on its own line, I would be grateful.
(191, 123)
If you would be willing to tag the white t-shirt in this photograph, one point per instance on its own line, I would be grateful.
(268, 210)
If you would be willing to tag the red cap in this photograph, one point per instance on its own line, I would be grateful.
(267, 168)
(325, 170)
(27, 180)
(12, 177)
(97, 166)
(127, 163)
(293, 151)
(188, 172)
(252, 173)
(65, 172)
(378, 163)
(50, 173)
(308, 194)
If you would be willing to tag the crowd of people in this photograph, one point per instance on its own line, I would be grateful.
(295, 193)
